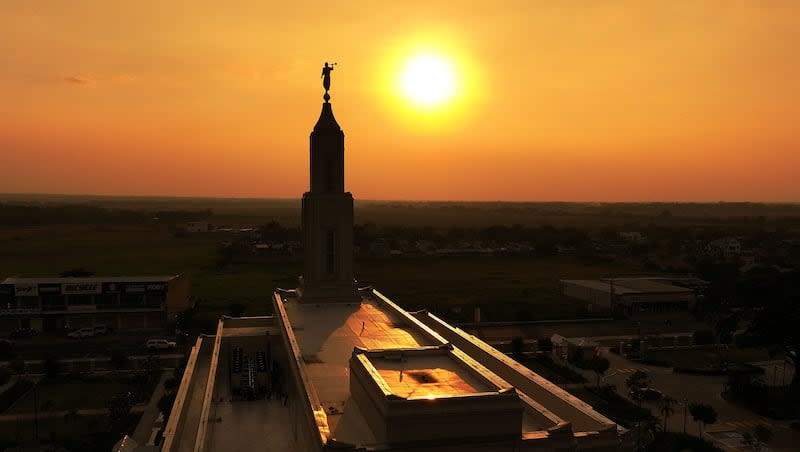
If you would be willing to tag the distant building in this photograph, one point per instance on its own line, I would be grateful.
(632, 236)
(380, 248)
(725, 248)
(122, 303)
(574, 348)
(197, 226)
(631, 294)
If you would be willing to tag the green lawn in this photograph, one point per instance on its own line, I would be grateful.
(84, 433)
(506, 288)
(60, 395)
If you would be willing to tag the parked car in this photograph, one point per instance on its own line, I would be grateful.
(646, 394)
(81, 333)
(159, 344)
(24, 332)
(100, 329)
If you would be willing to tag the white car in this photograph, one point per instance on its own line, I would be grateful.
(160, 344)
(80, 333)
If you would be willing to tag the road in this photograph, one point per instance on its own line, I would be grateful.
(694, 389)
(39, 347)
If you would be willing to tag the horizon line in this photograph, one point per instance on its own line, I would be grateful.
(262, 198)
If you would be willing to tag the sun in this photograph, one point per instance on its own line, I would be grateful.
(428, 80)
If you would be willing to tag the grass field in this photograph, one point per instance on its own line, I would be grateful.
(506, 288)
(84, 433)
(68, 395)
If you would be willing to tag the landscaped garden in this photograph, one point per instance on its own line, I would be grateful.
(557, 373)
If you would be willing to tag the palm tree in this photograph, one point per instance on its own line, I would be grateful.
(666, 409)
(703, 414)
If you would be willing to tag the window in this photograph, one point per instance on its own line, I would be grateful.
(330, 251)
(328, 175)
(52, 302)
(80, 300)
(131, 300)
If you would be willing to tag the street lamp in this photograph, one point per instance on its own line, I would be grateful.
(685, 403)
(35, 410)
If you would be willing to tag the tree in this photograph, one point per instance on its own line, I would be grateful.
(756, 440)
(119, 407)
(637, 380)
(666, 408)
(52, 366)
(165, 403)
(703, 414)
(545, 344)
(517, 347)
(599, 366)
(703, 337)
(236, 309)
(18, 366)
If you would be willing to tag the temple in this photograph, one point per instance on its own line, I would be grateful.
(338, 368)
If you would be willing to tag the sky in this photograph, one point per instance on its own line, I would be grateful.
(585, 100)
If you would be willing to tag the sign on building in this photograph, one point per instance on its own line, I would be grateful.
(26, 290)
(81, 288)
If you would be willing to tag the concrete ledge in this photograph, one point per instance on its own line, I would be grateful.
(319, 419)
(177, 417)
(200, 440)
(412, 321)
(562, 404)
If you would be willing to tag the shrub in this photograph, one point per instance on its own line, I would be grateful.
(119, 358)
(165, 403)
(746, 340)
(703, 337)
(18, 366)
(517, 347)
(545, 344)
(52, 366)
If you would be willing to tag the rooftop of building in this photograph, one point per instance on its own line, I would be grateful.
(327, 334)
(88, 279)
(409, 358)
(427, 376)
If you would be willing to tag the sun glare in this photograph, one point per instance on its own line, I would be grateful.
(428, 80)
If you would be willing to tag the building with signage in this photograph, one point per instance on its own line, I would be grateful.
(346, 369)
(122, 303)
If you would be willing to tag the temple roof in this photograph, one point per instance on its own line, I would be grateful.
(326, 121)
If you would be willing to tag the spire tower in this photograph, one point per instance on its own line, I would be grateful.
(327, 216)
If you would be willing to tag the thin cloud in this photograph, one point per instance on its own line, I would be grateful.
(81, 79)
(123, 78)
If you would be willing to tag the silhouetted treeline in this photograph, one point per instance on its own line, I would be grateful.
(182, 216)
(22, 215)
(34, 215)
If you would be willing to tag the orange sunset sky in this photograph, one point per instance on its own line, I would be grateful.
(553, 100)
